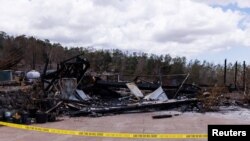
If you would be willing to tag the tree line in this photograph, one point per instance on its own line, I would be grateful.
(114, 61)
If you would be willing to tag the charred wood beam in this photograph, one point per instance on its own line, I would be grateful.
(235, 74)
(244, 75)
(133, 107)
(225, 72)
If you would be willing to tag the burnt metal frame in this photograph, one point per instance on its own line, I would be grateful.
(74, 67)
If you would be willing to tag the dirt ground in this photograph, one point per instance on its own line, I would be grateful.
(188, 122)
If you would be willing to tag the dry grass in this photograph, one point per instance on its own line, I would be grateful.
(213, 101)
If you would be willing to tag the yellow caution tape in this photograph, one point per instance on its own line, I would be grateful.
(105, 134)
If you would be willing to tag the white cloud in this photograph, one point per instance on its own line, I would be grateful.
(178, 27)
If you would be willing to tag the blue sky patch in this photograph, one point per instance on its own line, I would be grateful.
(233, 7)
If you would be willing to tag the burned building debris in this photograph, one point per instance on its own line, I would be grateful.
(69, 90)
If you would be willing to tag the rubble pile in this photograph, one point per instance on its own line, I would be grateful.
(15, 97)
(216, 97)
(70, 91)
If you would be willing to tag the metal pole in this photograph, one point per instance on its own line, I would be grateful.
(225, 72)
(181, 85)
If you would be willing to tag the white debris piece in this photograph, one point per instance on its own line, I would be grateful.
(134, 90)
(82, 95)
(158, 94)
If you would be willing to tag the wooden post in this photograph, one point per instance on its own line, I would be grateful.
(235, 75)
(244, 76)
(225, 72)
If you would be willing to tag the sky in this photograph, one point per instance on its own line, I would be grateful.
(197, 29)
